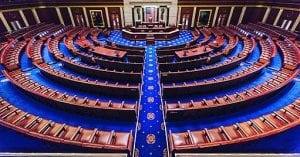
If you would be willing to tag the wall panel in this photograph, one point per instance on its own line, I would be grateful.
(44, 15)
(254, 14)
(223, 11)
(185, 11)
(114, 10)
(77, 11)
(13, 16)
(288, 15)
(2, 27)
(65, 15)
(236, 15)
(272, 16)
(29, 16)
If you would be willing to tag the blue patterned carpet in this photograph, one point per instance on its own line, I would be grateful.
(151, 137)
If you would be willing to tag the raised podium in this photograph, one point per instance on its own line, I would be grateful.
(150, 39)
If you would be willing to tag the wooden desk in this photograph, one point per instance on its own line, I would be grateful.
(150, 40)
(150, 24)
(157, 35)
(84, 44)
(194, 52)
(219, 42)
(102, 51)
(155, 29)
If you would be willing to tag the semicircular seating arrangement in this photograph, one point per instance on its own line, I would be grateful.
(96, 89)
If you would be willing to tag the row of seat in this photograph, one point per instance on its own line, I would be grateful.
(71, 102)
(35, 126)
(291, 54)
(169, 55)
(211, 70)
(10, 55)
(268, 52)
(34, 50)
(167, 50)
(100, 72)
(278, 81)
(194, 61)
(103, 62)
(19, 33)
(253, 129)
(292, 36)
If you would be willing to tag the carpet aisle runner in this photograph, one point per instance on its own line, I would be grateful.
(151, 137)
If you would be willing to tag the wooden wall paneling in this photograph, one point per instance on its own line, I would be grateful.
(298, 29)
(254, 14)
(272, 16)
(13, 16)
(29, 16)
(288, 15)
(2, 27)
(189, 11)
(114, 10)
(96, 8)
(236, 15)
(78, 11)
(65, 15)
(48, 15)
(213, 9)
(223, 11)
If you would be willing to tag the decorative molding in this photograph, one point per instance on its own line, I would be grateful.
(61, 20)
(296, 23)
(71, 16)
(122, 16)
(23, 18)
(36, 17)
(85, 16)
(5, 22)
(242, 15)
(277, 17)
(230, 16)
(215, 16)
(107, 17)
(178, 15)
(193, 17)
(268, 10)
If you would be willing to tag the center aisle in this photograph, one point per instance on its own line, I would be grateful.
(151, 135)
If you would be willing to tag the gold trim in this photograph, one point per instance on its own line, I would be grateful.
(36, 17)
(85, 16)
(61, 20)
(93, 20)
(23, 18)
(5, 22)
(215, 16)
(230, 16)
(296, 23)
(71, 16)
(193, 17)
(107, 17)
(242, 15)
(278, 17)
(267, 13)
